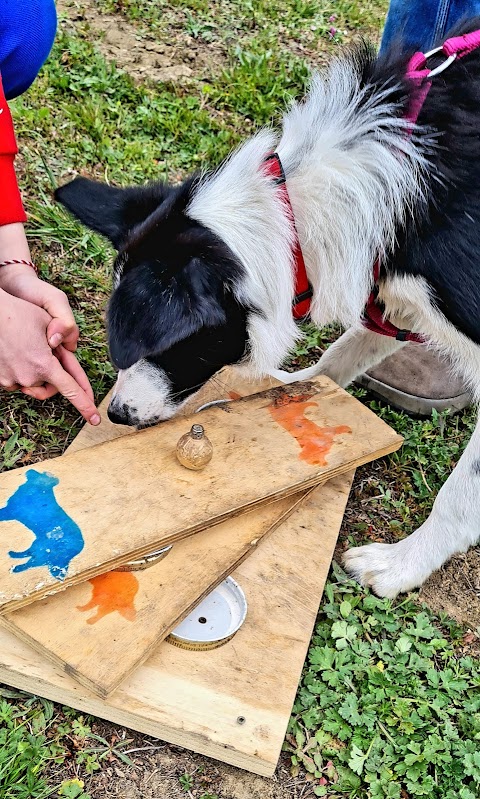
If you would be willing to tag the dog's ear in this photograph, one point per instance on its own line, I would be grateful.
(109, 210)
(147, 314)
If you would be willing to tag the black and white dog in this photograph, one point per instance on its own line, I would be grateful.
(204, 275)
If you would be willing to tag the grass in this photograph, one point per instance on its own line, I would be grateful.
(188, 784)
(386, 707)
(292, 22)
(36, 735)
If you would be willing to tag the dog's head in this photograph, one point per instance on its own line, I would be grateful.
(173, 318)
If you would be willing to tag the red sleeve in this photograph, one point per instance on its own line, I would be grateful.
(11, 208)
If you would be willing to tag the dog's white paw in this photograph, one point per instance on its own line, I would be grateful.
(389, 569)
(293, 377)
(284, 377)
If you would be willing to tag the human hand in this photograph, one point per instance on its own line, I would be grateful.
(28, 363)
(21, 281)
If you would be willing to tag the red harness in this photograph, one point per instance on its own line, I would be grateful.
(420, 75)
(303, 290)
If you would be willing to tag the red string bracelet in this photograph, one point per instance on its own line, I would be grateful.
(19, 261)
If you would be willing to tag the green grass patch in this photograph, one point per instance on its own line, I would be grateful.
(24, 750)
(36, 736)
(259, 83)
(385, 708)
(414, 475)
(295, 21)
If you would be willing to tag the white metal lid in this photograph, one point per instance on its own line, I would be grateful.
(219, 616)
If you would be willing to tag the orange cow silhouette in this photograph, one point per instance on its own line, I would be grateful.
(114, 591)
(315, 442)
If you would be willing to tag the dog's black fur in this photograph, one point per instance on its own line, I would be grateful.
(441, 242)
(174, 303)
(170, 262)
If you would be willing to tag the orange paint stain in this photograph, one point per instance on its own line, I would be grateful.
(234, 395)
(112, 592)
(315, 442)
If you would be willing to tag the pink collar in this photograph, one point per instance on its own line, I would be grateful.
(421, 77)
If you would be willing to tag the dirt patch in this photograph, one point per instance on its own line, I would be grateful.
(159, 768)
(171, 54)
(455, 589)
(177, 59)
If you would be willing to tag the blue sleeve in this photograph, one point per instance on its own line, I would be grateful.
(27, 31)
(422, 23)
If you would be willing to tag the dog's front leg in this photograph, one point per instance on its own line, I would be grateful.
(356, 351)
(453, 526)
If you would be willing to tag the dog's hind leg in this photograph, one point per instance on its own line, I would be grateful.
(453, 526)
(357, 350)
(25, 554)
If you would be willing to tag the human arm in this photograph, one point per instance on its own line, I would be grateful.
(22, 282)
(28, 363)
(35, 318)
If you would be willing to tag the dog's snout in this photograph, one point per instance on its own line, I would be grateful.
(141, 396)
(118, 415)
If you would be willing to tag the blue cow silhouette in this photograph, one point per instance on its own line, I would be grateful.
(58, 538)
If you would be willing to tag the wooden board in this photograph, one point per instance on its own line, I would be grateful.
(193, 699)
(140, 609)
(134, 612)
(113, 502)
(229, 383)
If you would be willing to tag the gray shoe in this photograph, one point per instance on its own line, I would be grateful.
(416, 380)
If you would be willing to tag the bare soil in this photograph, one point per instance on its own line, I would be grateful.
(455, 589)
(158, 768)
(176, 58)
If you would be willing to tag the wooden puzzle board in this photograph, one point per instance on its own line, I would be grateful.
(135, 611)
(193, 699)
(116, 498)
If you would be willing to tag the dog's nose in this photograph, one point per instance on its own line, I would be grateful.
(117, 417)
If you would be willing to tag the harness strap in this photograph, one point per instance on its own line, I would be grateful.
(303, 290)
(462, 45)
(374, 320)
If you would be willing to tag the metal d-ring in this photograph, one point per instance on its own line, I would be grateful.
(441, 67)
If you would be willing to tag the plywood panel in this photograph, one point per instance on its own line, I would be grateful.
(194, 699)
(97, 508)
(230, 382)
(134, 612)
